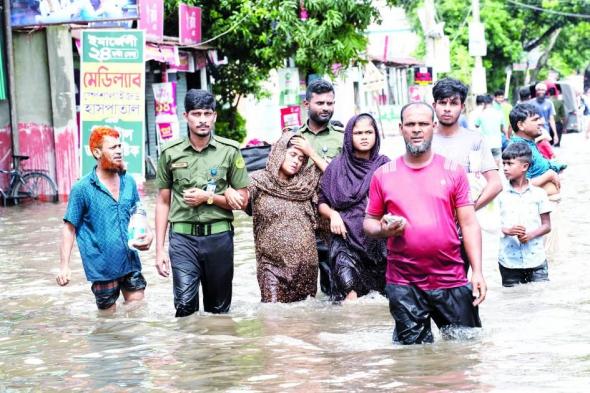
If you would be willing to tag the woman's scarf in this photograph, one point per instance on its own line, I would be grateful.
(346, 181)
(299, 187)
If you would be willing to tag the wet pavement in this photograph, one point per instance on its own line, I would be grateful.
(535, 337)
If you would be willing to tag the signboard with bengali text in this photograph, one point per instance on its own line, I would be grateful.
(51, 12)
(189, 24)
(152, 19)
(112, 92)
(165, 109)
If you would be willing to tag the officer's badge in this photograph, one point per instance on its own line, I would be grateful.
(240, 163)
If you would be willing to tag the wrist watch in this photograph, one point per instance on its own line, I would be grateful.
(210, 199)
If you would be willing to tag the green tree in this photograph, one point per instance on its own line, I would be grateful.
(259, 36)
(560, 29)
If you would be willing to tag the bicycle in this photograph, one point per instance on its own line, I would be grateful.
(28, 185)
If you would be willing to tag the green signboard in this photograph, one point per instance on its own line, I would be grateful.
(112, 80)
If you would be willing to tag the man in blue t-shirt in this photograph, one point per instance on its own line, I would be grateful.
(546, 110)
(98, 213)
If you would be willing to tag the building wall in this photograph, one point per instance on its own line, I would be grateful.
(5, 141)
(33, 101)
(63, 106)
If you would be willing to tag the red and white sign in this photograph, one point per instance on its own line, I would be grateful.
(165, 110)
(186, 62)
(189, 20)
(291, 116)
(151, 19)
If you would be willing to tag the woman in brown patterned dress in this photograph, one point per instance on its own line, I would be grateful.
(283, 202)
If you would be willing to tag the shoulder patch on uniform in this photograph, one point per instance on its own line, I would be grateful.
(240, 163)
(227, 142)
(337, 128)
(171, 144)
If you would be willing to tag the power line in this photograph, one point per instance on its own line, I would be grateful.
(232, 28)
(533, 7)
(461, 26)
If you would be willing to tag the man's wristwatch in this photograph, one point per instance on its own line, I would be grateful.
(210, 199)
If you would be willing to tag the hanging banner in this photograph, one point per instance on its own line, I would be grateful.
(45, 12)
(112, 92)
(288, 86)
(186, 63)
(151, 19)
(423, 76)
(189, 24)
(167, 126)
(291, 116)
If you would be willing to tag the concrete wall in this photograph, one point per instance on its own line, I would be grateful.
(45, 104)
(5, 141)
(33, 101)
(63, 107)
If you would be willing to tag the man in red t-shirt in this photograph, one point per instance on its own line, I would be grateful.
(425, 275)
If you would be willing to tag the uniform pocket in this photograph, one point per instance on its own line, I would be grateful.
(221, 179)
(181, 177)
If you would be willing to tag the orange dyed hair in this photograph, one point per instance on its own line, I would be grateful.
(98, 134)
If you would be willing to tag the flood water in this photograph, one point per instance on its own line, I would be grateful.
(536, 338)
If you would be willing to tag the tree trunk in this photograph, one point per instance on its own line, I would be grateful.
(545, 56)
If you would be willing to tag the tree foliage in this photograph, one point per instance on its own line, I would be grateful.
(512, 29)
(258, 36)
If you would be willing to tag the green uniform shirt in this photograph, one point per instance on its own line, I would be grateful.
(181, 167)
(559, 110)
(327, 143)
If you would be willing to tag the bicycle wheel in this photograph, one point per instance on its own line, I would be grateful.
(35, 186)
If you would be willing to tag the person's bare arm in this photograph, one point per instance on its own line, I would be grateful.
(554, 128)
(337, 225)
(378, 227)
(65, 251)
(491, 190)
(236, 199)
(544, 229)
(548, 177)
(302, 144)
(472, 241)
(198, 197)
(162, 210)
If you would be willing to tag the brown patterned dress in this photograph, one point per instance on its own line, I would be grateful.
(284, 218)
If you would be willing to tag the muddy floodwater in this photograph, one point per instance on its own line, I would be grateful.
(536, 338)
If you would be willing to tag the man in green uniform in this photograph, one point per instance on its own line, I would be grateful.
(193, 175)
(326, 139)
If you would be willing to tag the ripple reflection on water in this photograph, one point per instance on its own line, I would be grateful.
(52, 338)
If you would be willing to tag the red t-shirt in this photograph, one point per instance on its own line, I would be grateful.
(427, 254)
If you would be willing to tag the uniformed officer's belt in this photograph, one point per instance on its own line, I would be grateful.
(212, 228)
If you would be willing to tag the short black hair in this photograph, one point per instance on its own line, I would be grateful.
(521, 112)
(498, 93)
(524, 94)
(480, 99)
(488, 99)
(519, 151)
(449, 87)
(318, 86)
(198, 99)
(401, 113)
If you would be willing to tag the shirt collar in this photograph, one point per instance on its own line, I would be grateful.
(305, 128)
(517, 138)
(187, 143)
(527, 188)
(96, 181)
